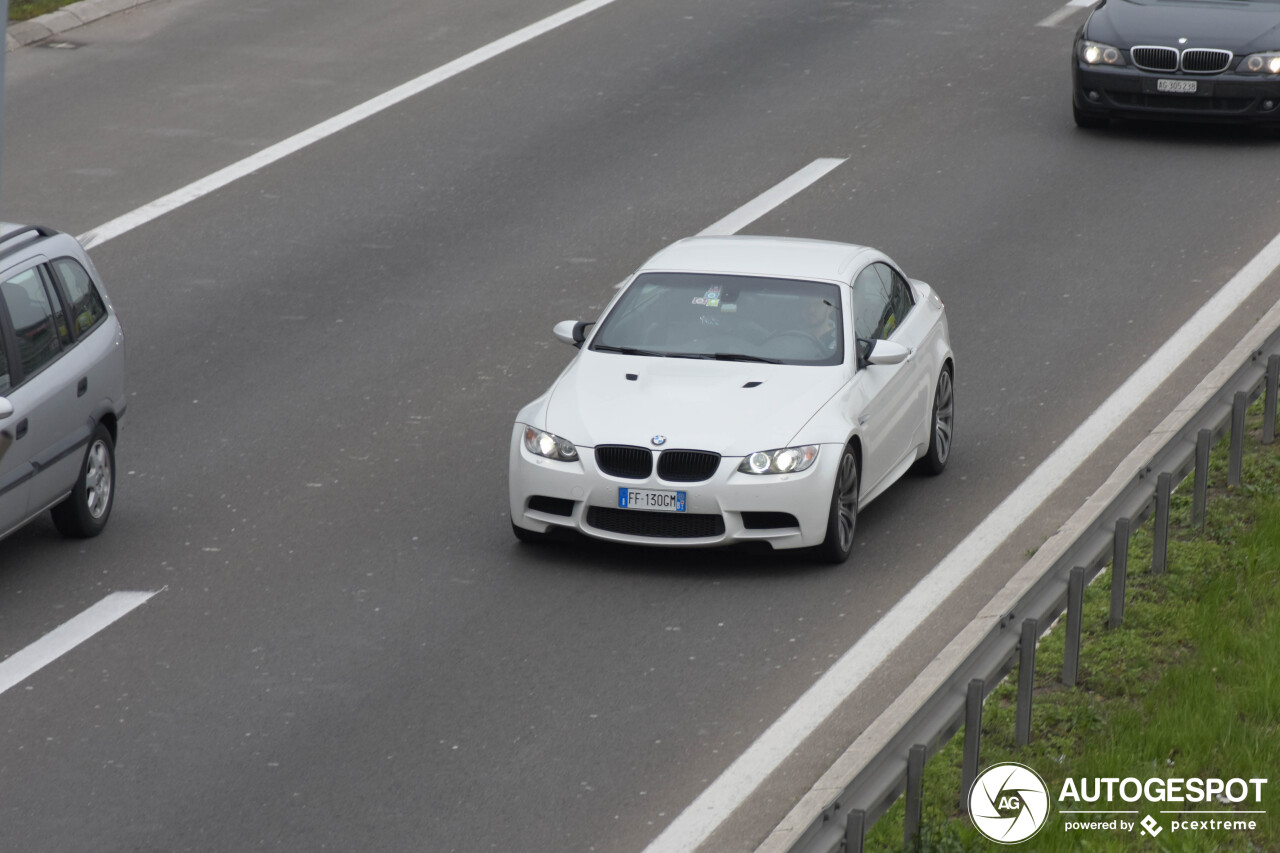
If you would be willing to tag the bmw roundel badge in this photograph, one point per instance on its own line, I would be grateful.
(659, 440)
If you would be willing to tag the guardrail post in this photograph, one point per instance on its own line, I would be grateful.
(1201, 496)
(1119, 572)
(1075, 604)
(915, 796)
(1160, 539)
(855, 831)
(1026, 680)
(972, 739)
(1269, 403)
(1236, 459)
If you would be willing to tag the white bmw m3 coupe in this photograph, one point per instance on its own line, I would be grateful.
(739, 389)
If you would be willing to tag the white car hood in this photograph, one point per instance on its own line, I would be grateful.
(696, 404)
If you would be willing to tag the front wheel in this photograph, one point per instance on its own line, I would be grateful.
(1088, 121)
(942, 424)
(528, 537)
(85, 511)
(842, 522)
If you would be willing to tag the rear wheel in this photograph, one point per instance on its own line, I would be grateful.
(85, 511)
(842, 522)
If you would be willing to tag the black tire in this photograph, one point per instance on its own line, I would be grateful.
(842, 520)
(528, 537)
(85, 511)
(1088, 121)
(941, 425)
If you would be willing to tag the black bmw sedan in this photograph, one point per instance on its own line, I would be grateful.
(1190, 60)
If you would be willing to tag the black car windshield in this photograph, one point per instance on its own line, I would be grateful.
(724, 317)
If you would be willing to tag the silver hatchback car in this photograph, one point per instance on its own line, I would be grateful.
(61, 383)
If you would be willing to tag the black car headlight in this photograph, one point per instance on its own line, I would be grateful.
(785, 460)
(1097, 53)
(549, 445)
(1260, 63)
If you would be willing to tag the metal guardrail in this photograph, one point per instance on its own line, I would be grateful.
(1139, 489)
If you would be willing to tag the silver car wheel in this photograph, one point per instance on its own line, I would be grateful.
(97, 480)
(847, 500)
(944, 417)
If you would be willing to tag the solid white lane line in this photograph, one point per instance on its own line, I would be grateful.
(1066, 12)
(67, 636)
(697, 822)
(768, 200)
(297, 142)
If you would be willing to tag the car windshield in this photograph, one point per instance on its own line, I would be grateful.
(735, 318)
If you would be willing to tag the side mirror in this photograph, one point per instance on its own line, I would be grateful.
(887, 352)
(6, 408)
(572, 332)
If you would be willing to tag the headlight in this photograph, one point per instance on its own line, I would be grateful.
(1261, 63)
(548, 444)
(1097, 53)
(787, 460)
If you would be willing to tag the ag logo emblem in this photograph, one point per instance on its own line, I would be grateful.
(1008, 803)
(659, 440)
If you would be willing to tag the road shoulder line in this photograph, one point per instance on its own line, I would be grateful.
(872, 740)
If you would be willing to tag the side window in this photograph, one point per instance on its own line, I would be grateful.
(26, 295)
(87, 307)
(900, 300)
(872, 300)
(5, 382)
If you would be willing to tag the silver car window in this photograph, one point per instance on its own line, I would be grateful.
(34, 322)
(87, 306)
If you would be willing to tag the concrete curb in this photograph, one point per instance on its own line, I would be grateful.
(67, 18)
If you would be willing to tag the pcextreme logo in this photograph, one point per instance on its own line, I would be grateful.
(1009, 803)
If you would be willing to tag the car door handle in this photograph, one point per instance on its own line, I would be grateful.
(20, 430)
(82, 387)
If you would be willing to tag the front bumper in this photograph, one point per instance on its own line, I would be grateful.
(783, 510)
(1127, 92)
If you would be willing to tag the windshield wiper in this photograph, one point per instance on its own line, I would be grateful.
(741, 356)
(628, 350)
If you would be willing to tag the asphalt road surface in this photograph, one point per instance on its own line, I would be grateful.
(346, 649)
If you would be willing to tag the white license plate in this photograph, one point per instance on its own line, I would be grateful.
(1181, 87)
(653, 501)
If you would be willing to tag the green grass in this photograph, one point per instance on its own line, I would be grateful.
(1186, 687)
(23, 10)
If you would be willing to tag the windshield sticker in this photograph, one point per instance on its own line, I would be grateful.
(711, 298)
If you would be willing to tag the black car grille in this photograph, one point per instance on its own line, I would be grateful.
(623, 460)
(687, 466)
(1155, 58)
(1199, 60)
(1194, 60)
(658, 525)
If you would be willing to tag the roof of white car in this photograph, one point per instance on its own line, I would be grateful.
(789, 257)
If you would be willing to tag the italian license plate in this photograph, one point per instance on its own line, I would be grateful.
(645, 499)
(1180, 87)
